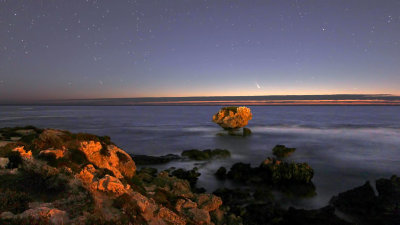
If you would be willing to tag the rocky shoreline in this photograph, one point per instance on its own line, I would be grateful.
(52, 176)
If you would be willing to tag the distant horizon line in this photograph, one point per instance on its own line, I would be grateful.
(203, 96)
(331, 99)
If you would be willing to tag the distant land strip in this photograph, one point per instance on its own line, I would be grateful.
(343, 99)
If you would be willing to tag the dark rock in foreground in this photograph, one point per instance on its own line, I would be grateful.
(272, 171)
(152, 160)
(368, 208)
(207, 154)
(221, 173)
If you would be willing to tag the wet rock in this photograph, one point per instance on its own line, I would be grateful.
(389, 195)
(280, 171)
(241, 172)
(221, 173)
(362, 204)
(234, 198)
(282, 151)
(152, 160)
(358, 201)
(207, 154)
(246, 132)
(232, 117)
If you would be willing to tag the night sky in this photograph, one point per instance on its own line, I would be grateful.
(53, 49)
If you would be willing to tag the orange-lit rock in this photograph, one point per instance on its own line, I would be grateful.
(170, 217)
(209, 202)
(232, 117)
(111, 185)
(23, 153)
(59, 153)
(86, 175)
(116, 160)
(95, 183)
(199, 216)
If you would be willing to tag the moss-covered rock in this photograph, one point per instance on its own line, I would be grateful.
(280, 171)
(207, 154)
(282, 151)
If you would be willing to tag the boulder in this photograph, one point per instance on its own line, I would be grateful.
(363, 204)
(232, 117)
(118, 161)
(246, 132)
(280, 171)
(282, 151)
(221, 173)
(360, 201)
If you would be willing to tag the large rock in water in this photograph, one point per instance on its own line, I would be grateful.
(232, 117)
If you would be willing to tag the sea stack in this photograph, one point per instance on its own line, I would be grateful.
(232, 117)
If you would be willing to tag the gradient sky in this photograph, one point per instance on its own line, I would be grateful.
(53, 49)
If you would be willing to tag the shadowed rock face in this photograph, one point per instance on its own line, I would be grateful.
(232, 117)
(365, 206)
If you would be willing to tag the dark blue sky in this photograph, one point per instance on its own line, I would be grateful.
(94, 49)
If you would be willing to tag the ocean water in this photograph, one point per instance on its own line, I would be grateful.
(346, 145)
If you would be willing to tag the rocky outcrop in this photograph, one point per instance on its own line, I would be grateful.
(109, 157)
(232, 117)
(23, 153)
(282, 151)
(368, 208)
(57, 177)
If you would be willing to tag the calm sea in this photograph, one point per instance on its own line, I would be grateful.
(346, 145)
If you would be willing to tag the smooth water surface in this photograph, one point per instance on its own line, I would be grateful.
(346, 145)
